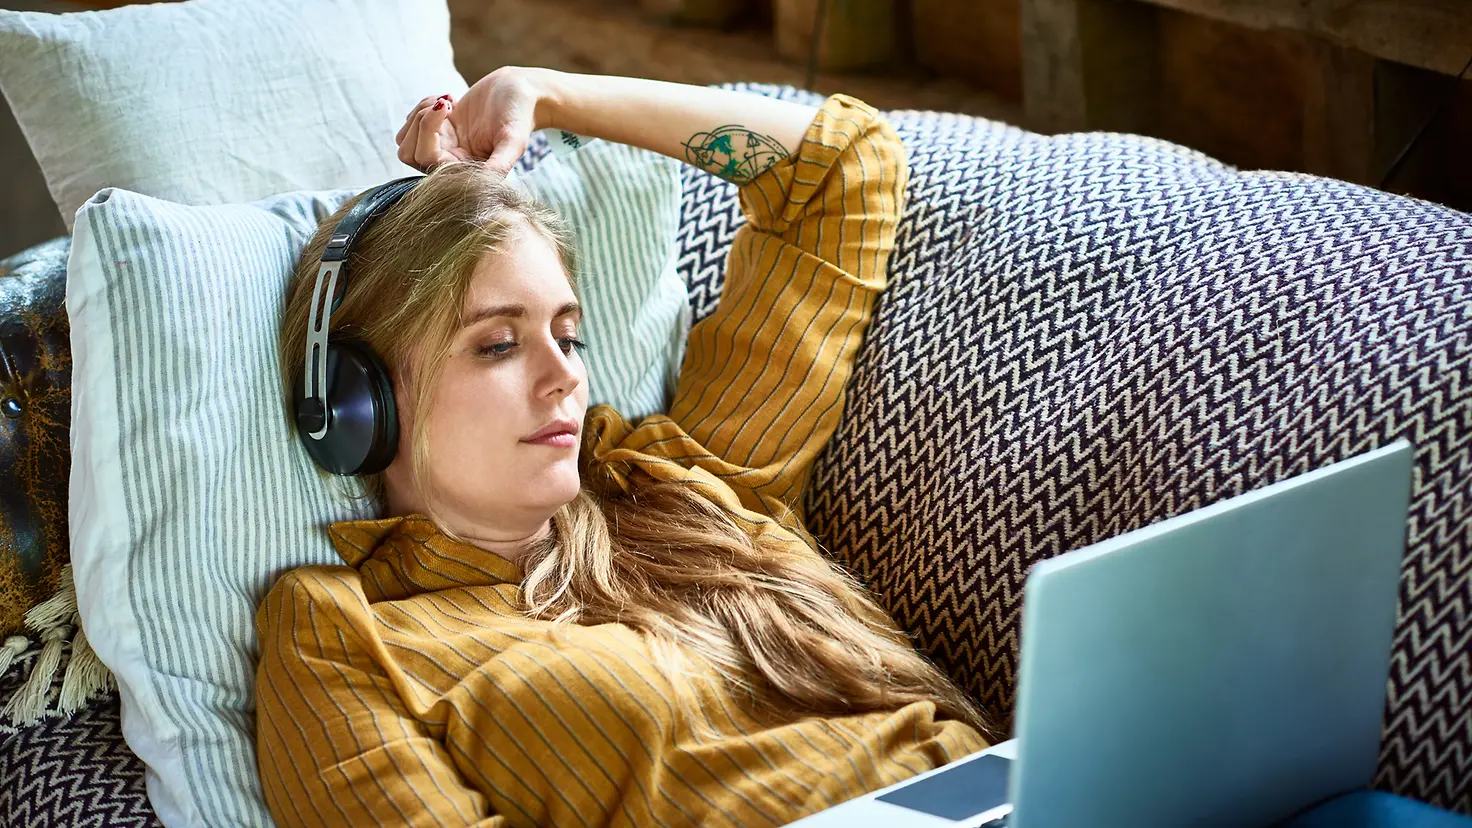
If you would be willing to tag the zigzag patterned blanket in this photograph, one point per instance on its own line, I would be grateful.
(1085, 335)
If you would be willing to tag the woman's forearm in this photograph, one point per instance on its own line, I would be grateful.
(734, 135)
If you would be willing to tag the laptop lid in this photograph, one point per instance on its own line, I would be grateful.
(1226, 667)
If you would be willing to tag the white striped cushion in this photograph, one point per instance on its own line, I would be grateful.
(189, 492)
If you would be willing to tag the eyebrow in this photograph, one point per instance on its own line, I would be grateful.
(515, 312)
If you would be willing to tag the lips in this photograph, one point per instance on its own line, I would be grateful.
(553, 428)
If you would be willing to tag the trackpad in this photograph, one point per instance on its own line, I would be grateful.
(960, 791)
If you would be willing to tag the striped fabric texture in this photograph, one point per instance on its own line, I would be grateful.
(407, 687)
(189, 493)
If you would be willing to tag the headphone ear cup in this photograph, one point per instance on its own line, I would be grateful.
(362, 421)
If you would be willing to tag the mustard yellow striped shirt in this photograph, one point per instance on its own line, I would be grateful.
(407, 687)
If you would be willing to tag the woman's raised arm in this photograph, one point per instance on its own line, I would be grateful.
(734, 135)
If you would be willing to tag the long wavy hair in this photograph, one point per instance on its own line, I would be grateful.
(776, 620)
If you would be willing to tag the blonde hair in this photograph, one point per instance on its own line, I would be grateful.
(776, 620)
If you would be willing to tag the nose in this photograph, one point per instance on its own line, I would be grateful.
(557, 376)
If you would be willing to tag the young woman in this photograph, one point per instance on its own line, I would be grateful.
(566, 618)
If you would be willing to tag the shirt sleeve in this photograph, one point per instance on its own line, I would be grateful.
(763, 378)
(336, 744)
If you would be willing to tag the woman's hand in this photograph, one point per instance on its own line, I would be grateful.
(493, 122)
(428, 138)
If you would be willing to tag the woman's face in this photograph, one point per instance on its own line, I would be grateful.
(512, 374)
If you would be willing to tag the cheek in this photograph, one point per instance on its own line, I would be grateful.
(467, 406)
(478, 394)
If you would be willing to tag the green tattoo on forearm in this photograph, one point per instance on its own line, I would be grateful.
(733, 152)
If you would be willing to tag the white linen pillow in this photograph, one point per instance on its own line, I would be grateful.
(222, 101)
(190, 494)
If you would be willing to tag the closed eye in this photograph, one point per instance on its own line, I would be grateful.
(503, 349)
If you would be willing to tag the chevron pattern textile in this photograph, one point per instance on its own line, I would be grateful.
(1091, 333)
(73, 771)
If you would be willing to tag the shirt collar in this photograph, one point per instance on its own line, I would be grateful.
(408, 554)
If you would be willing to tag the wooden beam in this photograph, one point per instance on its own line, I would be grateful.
(1428, 34)
(856, 35)
(1089, 65)
(1339, 114)
(978, 40)
(1052, 66)
(698, 12)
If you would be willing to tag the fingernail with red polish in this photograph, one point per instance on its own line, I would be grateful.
(439, 104)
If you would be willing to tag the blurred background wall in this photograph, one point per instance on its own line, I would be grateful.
(1332, 87)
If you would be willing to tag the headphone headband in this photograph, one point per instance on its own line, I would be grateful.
(371, 206)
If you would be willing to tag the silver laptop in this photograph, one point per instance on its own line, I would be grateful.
(1226, 667)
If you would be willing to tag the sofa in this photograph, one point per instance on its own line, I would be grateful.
(1084, 334)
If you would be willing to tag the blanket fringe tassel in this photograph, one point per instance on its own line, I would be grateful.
(85, 676)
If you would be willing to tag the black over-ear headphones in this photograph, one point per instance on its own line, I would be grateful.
(345, 411)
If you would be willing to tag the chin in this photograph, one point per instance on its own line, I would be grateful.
(558, 491)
